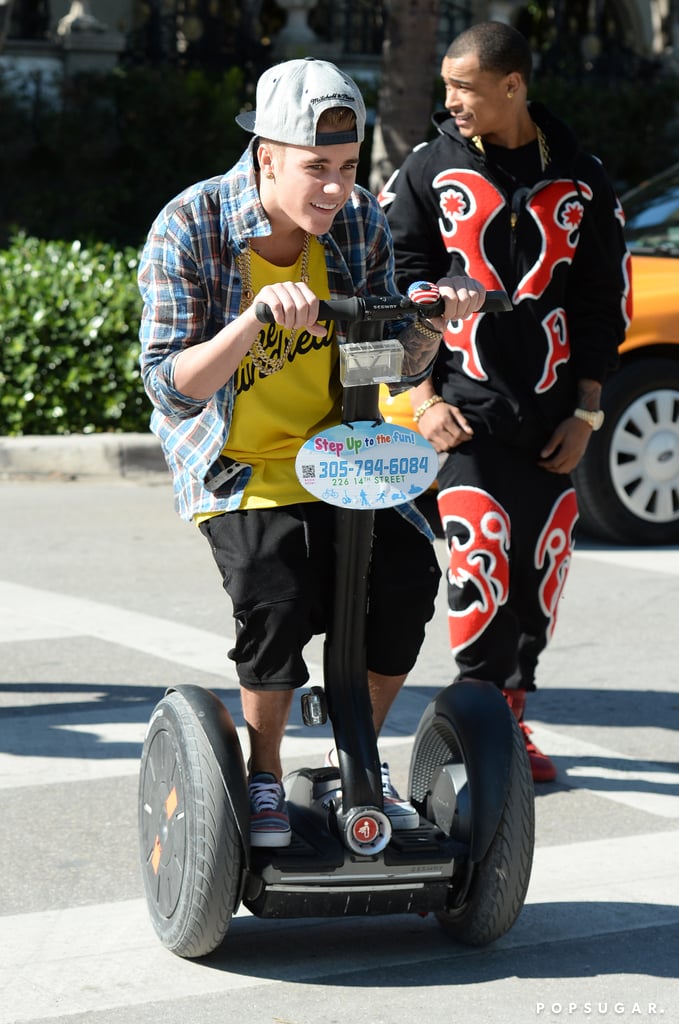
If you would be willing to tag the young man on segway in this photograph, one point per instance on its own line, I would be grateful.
(235, 400)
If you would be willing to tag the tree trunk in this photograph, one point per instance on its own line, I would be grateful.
(408, 74)
(5, 15)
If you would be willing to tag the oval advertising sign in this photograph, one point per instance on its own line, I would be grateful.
(366, 465)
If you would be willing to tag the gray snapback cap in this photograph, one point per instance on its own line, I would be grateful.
(292, 96)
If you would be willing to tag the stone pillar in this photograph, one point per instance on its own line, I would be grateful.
(88, 44)
(5, 13)
(296, 39)
(501, 10)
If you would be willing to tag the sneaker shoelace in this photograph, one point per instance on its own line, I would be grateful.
(387, 786)
(265, 795)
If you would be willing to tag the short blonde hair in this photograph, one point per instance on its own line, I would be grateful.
(337, 119)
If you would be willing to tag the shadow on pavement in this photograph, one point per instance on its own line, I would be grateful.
(572, 947)
(75, 721)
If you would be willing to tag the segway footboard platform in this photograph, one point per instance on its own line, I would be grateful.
(318, 876)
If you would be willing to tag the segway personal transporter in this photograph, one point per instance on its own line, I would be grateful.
(469, 860)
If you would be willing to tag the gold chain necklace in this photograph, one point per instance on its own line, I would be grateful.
(265, 363)
(542, 146)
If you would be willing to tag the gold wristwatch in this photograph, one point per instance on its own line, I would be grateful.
(595, 419)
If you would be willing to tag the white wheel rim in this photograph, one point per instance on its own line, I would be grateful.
(644, 457)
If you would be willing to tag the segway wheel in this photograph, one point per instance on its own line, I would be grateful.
(493, 897)
(189, 843)
(499, 884)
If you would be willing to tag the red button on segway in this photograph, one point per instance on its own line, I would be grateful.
(365, 830)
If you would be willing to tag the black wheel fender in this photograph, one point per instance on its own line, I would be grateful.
(482, 721)
(219, 728)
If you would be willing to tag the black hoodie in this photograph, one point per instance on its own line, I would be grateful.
(556, 247)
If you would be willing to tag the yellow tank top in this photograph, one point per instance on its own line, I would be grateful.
(274, 415)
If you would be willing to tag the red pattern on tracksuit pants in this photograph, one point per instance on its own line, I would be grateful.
(502, 604)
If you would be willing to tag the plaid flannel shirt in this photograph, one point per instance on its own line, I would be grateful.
(191, 288)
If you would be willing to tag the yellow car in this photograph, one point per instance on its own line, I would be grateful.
(628, 482)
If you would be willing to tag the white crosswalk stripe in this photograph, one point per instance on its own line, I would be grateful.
(612, 775)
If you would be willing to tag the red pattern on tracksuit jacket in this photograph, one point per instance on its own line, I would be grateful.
(556, 246)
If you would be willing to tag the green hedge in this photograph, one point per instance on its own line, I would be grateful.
(69, 317)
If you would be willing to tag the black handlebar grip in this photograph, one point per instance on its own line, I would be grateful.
(424, 298)
(336, 309)
(264, 314)
(496, 302)
(373, 307)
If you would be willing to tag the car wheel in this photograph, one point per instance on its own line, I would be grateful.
(628, 482)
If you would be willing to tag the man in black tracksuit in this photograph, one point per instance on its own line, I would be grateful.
(504, 193)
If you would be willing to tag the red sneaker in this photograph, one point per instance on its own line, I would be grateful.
(542, 767)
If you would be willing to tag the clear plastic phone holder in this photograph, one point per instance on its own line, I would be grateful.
(371, 362)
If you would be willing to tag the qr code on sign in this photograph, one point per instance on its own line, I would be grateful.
(309, 472)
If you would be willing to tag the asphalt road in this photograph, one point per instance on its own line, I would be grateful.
(106, 598)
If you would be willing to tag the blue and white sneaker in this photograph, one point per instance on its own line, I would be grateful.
(401, 814)
(269, 821)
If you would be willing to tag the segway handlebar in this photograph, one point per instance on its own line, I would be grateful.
(388, 307)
